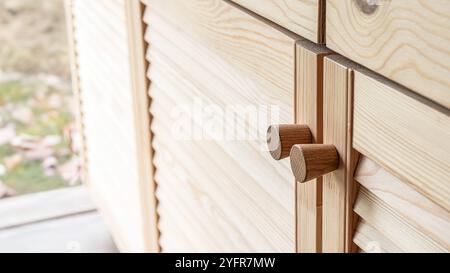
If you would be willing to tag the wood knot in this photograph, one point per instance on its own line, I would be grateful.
(367, 6)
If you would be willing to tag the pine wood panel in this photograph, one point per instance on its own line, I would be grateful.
(392, 225)
(263, 53)
(234, 196)
(405, 40)
(370, 240)
(338, 185)
(106, 79)
(403, 133)
(303, 17)
(418, 210)
(308, 107)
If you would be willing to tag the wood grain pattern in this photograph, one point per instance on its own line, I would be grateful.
(105, 78)
(234, 197)
(418, 210)
(405, 40)
(370, 240)
(338, 185)
(308, 110)
(403, 133)
(281, 138)
(261, 52)
(309, 161)
(141, 102)
(392, 225)
(303, 17)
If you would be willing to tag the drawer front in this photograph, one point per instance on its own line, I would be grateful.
(405, 134)
(303, 17)
(219, 192)
(404, 40)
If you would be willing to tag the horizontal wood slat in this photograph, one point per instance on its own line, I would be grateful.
(303, 17)
(392, 225)
(405, 134)
(218, 195)
(418, 210)
(261, 52)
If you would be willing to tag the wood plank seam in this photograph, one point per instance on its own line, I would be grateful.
(309, 64)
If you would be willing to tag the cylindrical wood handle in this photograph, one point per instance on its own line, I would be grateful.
(309, 161)
(281, 138)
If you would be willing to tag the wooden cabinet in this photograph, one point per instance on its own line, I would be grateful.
(303, 17)
(176, 97)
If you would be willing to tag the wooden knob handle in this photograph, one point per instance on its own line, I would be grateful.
(309, 161)
(281, 138)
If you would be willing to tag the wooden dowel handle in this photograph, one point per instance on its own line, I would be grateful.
(281, 138)
(309, 161)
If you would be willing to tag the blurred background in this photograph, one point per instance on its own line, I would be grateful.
(37, 133)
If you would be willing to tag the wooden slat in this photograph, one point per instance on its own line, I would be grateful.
(405, 134)
(405, 40)
(308, 107)
(205, 161)
(241, 199)
(338, 185)
(392, 225)
(303, 17)
(418, 210)
(371, 240)
(141, 103)
(261, 52)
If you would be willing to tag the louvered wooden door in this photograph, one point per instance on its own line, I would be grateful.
(219, 194)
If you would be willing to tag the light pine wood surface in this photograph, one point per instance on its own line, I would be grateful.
(303, 17)
(370, 240)
(308, 111)
(338, 185)
(393, 225)
(219, 194)
(418, 211)
(405, 134)
(103, 57)
(141, 102)
(405, 40)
